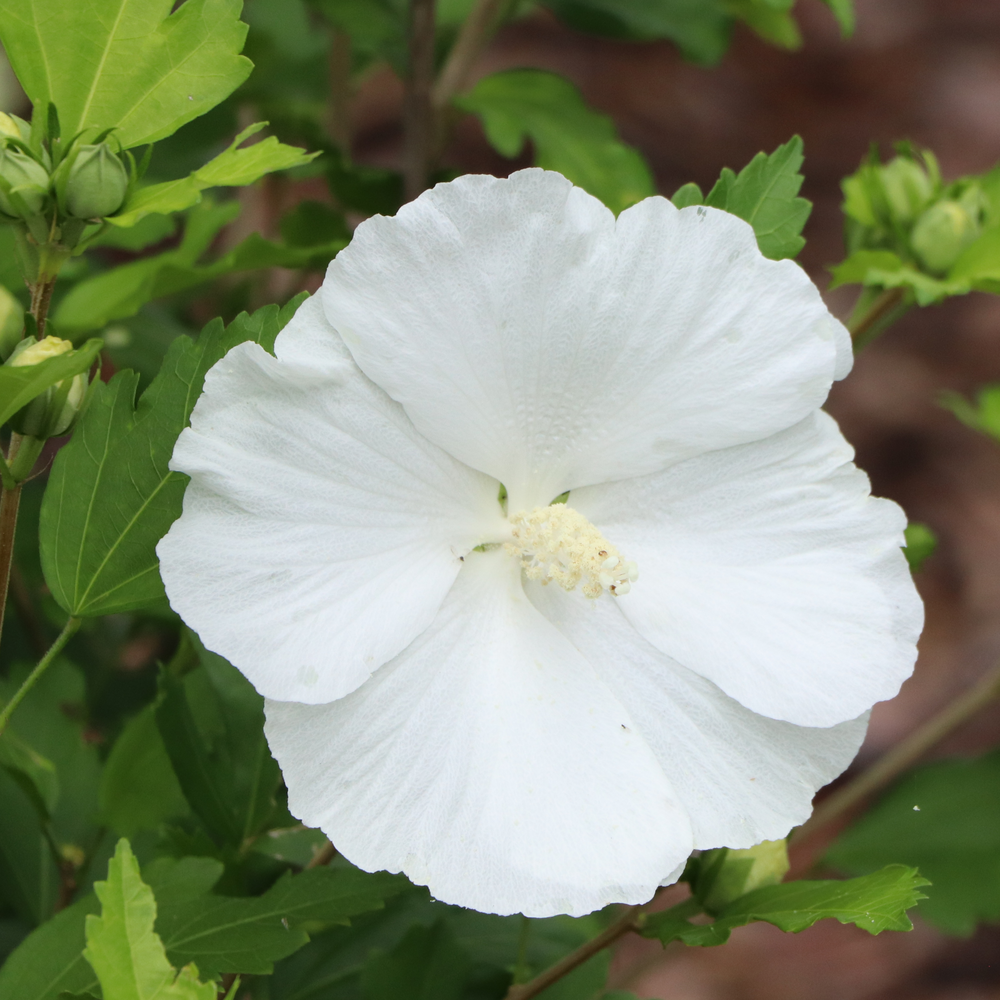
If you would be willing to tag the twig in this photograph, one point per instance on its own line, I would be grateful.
(54, 650)
(472, 40)
(323, 856)
(900, 757)
(419, 119)
(339, 75)
(628, 921)
(880, 308)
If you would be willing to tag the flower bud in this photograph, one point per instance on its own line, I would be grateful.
(11, 323)
(942, 233)
(907, 188)
(8, 127)
(725, 874)
(53, 411)
(24, 184)
(96, 184)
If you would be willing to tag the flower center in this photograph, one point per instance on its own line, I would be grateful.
(559, 543)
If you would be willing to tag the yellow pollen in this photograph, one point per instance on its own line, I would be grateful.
(558, 543)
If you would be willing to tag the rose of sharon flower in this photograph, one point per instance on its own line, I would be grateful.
(533, 705)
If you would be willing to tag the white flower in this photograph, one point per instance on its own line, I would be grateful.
(435, 709)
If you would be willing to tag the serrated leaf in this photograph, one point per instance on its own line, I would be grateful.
(20, 385)
(212, 725)
(234, 167)
(139, 789)
(765, 194)
(110, 495)
(428, 964)
(945, 818)
(884, 269)
(875, 903)
(34, 773)
(130, 65)
(122, 947)
(249, 934)
(701, 29)
(527, 104)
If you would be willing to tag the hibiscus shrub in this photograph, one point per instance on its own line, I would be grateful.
(407, 639)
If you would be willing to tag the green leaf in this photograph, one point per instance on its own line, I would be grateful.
(771, 20)
(874, 902)
(983, 415)
(522, 104)
(212, 725)
(764, 193)
(428, 964)
(19, 386)
(123, 948)
(920, 544)
(944, 817)
(884, 269)
(130, 65)
(701, 29)
(121, 292)
(249, 934)
(843, 11)
(34, 773)
(139, 789)
(234, 167)
(54, 714)
(49, 961)
(110, 495)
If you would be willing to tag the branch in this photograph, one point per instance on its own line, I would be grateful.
(418, 123)
(472, 40)
(629, 921)
(899, 758)
(879, 309)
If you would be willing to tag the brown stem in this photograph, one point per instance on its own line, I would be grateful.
(880, 308)
(323, 856)
(41, 296)
(629, 921)
(418, 124)
(339, 69)
(905, 753)
(472, 40)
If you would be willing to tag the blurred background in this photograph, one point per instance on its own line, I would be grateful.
(923, 70)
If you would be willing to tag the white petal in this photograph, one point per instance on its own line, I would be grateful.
(488, 762)
(533, 337)
(742, 778)
(320, 531)
(770, 570)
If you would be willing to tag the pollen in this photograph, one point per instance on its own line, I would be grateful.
(557, 543)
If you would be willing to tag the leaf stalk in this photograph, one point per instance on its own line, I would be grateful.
(69, 630)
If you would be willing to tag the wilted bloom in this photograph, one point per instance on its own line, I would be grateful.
(374, 513)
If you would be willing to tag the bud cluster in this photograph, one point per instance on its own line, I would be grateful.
(56, 189)
(904, 206)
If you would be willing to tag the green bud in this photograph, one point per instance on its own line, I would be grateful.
(942, 233)
(725, 874)
(11, 323)
(52, 412)
(24, 184)
(8, 127)
(96, 183)
(907, 188)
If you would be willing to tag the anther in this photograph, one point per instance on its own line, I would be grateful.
(558, 543)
